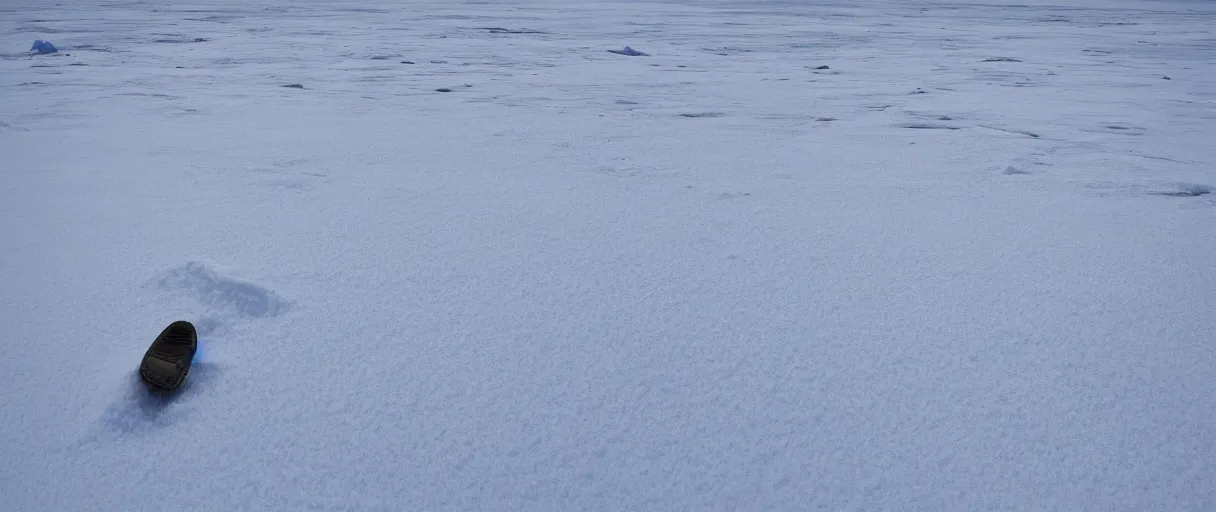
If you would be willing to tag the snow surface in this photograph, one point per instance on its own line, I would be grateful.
(970, 265)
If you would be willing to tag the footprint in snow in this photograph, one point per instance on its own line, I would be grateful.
(139, 410)
(208, 325)
(927, 126)
(224, 299)
(222, 294)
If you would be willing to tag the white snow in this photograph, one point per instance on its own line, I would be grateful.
(717, 277)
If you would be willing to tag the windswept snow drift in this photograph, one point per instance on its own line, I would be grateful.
(807, 255)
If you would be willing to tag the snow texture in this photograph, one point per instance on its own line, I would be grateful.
(718, 278)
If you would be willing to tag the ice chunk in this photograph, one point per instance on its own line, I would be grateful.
(630, 52)
(43, 47)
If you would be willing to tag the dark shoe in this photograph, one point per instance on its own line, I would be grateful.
(167, 361)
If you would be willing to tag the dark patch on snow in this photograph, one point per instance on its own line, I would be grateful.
(944, 118)
(1152, 157)
(1118, 129)
(626, 102)
(1188, 190)
(825, 119)
(1166, 78)
(148, 95)
(919, 91)
(437, 61)
(294, 86)
(182, 40)
(500, 30)
(1011, 170)
(1009, 130)
(215, 18)
(927, 126)
(698, 115)
(407, 62)
(443, 89)
(823, 67)
(1001, 59)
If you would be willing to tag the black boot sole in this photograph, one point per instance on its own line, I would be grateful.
(167, 361)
